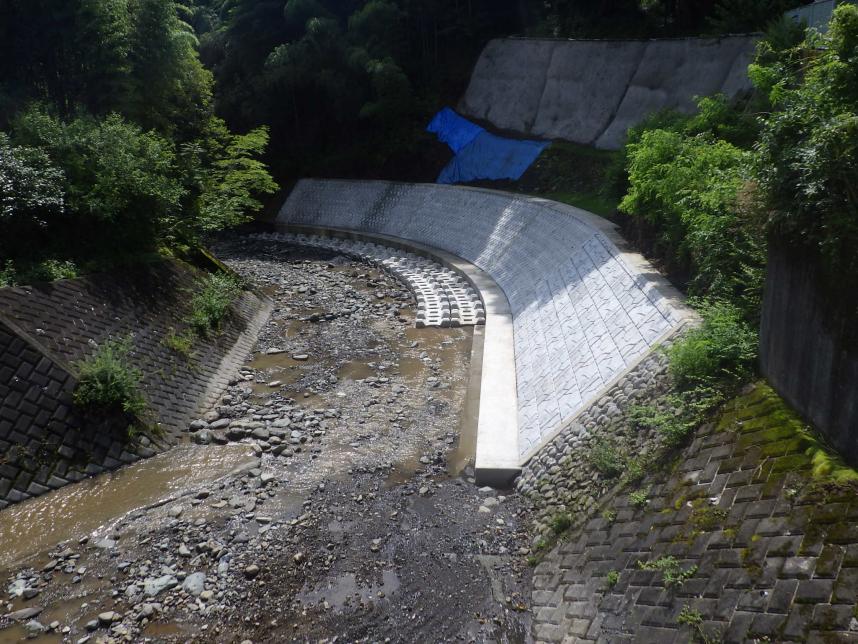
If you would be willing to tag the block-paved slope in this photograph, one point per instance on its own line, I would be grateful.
(47, 328)
(43, 443)
(775, 547)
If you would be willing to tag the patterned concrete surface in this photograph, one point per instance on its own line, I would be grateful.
(583, 311)
(592, 91)
(751, 536)
(444, 298)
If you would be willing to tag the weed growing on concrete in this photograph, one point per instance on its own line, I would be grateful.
(693, 618)
(671, 570)
(180, 343)
(689, 617)
(210, 305)
(707, 518)
(609, 515)
(612, 578)
(107, 383)
(639, 498)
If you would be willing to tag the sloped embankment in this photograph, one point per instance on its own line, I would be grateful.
(46, 329)
(592, 91)
(751, 535)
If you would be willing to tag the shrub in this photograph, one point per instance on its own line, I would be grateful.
(687, 187)
(107, 383)
(210, 305)
(607, 458)
(560, 523)
(120, 182)
(639, 498)
(722, 351)
(808, 151)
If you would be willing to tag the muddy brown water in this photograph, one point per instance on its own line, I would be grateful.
(77, 510)
(91, 508)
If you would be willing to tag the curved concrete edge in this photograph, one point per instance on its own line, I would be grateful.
(492, 383)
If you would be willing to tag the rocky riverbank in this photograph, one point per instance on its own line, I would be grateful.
(354, 520)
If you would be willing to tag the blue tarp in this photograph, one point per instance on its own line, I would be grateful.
(491, 157)
(480, 154)
(453, 129)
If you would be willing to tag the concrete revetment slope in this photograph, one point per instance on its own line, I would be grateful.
(592, 91)
(579, 311)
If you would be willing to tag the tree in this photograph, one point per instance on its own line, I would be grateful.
(808, 150)
(121, 183)
(169, 90)
(31, 193)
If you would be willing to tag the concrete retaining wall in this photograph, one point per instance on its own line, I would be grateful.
(591, 92)
(46, 329)
(803, 353)
(583, 310)
(562, 477)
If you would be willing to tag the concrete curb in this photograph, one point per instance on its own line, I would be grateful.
(492, 381)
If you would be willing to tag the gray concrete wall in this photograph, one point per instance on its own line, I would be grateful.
(803, 353)
(584, 311)
(591, 92)
(46, 329)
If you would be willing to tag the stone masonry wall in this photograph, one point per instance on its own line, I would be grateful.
(746, 539)
(561, 477)
(46, 329)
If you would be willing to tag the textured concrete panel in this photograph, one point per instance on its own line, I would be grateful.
(507, 83)
(583, 311)
(585, 84)
(592, 91)
(672, 72)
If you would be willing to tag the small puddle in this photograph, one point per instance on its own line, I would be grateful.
(355, 371)
(345, 591)
(77, 510)
(275, 362)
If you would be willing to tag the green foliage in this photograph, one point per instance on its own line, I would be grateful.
(609, 515)
(236, 178)
(113, 149)
(671, 569)
(560, 523)
(607, 458)
(689, 617)
(612, 578)
(119, 181)
(46, 270)
(808, 151)
(678, 414)
(746, 16)
(639, 498)
(30, 186)
(107, 383)
(685, 183)
(722, 351)
(210, 305)
(707, 518)
(180, 343)
(168, 88)
(7, 274)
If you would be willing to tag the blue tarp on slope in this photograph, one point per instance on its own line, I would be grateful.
(454, 130)
(480, 154)
(491, 157)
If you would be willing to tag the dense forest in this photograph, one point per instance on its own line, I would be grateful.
(129, 127)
